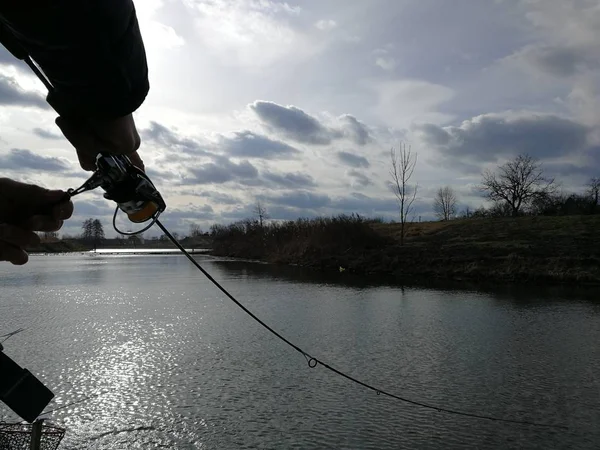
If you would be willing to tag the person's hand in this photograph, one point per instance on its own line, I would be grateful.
(117, 136)
(25, 208)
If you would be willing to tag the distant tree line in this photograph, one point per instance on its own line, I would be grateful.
(518, 187)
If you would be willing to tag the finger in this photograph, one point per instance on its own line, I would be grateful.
(63, 210)
(24, 200)
(42, 223)
(13, 254)
(17, 236)
(137, 161)
(87, 161)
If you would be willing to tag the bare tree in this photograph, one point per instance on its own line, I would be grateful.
(517, 183)
(260, 211)
(97, 232)
(403, 166)
(444, 203)
(593, 191)
(88, 230)
(195, 230)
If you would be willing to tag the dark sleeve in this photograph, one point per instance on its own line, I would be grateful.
(91, 51)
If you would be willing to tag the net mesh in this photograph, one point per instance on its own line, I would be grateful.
(17, 436)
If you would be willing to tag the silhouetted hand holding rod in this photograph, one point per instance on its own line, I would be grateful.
(24, 209)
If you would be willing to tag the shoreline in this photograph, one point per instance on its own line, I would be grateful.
(524, 250)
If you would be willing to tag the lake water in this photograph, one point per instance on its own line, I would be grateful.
(180, 366)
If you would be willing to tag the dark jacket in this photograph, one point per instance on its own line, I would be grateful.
(90, 50)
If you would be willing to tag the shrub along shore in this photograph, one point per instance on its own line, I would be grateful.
(537, 249)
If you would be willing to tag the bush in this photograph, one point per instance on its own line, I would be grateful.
(322, 234)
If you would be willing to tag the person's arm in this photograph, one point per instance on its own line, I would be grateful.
(93, 54)
(91, 51)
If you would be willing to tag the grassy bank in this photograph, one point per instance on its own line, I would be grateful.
(540, 249)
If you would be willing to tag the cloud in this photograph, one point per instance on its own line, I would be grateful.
(314, 203)
(11, 93)
(47, 134)
(386, 63)
(218, 197)
(353, 160)
(280, 212)
(558, 60)
(252, 145)
(162, 174)
(360, 178)
(326, 25)
(402, 102)
(6, 57)
(249, 33)
(192, 211)
(300, 200)
(363, 204)
(163, 136)
(93, 208)
(490, 136)
(290, 180)
(159, 35)
(384, 59)
(356, 130)
(18, 159)
(222, 171)
(293, 123)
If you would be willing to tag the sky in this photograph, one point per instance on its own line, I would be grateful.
(297, 104)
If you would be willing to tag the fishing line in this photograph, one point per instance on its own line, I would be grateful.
(313, 361)
(85, 399)
(7, 336)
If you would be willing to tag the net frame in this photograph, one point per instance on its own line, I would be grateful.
(17, 436)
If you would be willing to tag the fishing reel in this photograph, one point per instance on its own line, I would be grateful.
(127, 185)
